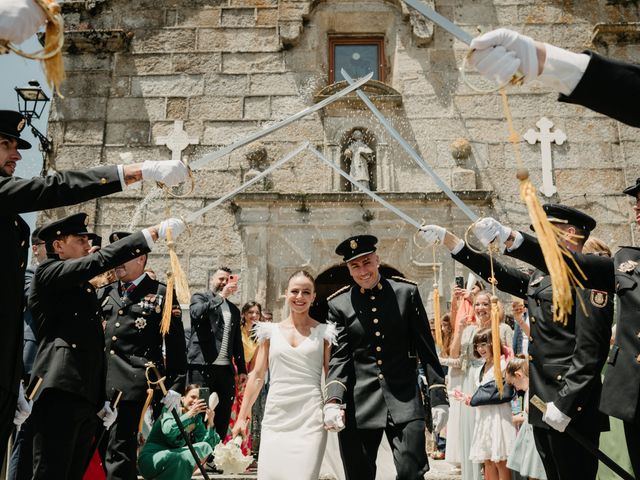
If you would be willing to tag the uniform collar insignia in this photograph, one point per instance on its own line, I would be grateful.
(628, 266)
(379, 286)
(362, 290)
(536, 281)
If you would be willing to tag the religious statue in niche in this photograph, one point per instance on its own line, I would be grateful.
(359, 157)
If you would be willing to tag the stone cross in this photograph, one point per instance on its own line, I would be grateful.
(546, 137)
(177, 140)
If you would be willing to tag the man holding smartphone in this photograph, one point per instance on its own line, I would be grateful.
(215, 340)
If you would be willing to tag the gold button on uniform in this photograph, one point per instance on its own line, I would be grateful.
(103, 181)
(380, 376)
(530, 358)
(22, 243)
(374, 309)
(117, 324)
(530, 339)
(375, 320)
(378, 349)
(114, 338)
(379, 362)
(112, 352)
(559, 377)
(73, 345)
(88, 290)
(15, 222)
(372, 297)
(533, 319)
(120, 312)
(378, 334)
(579, 409)
(137, 250)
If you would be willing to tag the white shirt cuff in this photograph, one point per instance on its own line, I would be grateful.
(563, 69)
(458, 247)
(517, 241)
(123, 184)
(148, 238)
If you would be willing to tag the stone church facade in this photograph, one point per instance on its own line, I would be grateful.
(218, 70)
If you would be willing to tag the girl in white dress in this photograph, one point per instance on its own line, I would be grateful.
(524, 458)
(295, 351)
(493, 433)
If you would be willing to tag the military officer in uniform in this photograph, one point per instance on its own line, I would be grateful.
(620, 275)
(19, 195)
(565, 361)
(132, 310)
(71, 354)
(381, 324)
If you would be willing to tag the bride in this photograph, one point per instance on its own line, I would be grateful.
(295, 351)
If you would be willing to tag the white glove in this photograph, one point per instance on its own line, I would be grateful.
(177, 227)
(440, 416)
(555, 418)
(108, 415)
(213, 401)
(432, 234)
(23, 409)
(488, 229)
(333, 414)
(512, 52)
(169, 172)
(171, 400)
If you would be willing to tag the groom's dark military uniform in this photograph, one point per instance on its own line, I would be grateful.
(373, 370)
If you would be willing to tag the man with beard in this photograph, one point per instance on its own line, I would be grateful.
(18, 196)
(132, 309)
(215, 340)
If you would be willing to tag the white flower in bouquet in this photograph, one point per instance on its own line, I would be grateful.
(229, 458)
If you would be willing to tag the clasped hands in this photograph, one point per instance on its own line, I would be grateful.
(486, 230)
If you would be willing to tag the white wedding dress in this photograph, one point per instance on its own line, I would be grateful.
(293, 437)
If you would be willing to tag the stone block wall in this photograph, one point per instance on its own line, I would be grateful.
(229, 67)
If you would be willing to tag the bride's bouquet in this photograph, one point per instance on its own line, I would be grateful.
(229, 458)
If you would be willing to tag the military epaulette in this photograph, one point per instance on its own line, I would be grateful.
(336, 293)
(404, 280)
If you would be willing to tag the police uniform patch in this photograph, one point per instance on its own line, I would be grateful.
(628, 266)
(599, 298)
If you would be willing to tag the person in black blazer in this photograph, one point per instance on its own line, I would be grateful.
(71, 356)
(381, 325)
(19, 195)
(132, 310)
(215, 344)
(565, 361)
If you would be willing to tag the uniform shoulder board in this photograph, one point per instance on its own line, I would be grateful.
(335, 294)
(404, 280)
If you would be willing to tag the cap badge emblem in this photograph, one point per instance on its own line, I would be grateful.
(353, 244)
(20, 125)
(628, 266)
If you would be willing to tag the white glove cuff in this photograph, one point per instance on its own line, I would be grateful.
(563, 69)
(458, 247)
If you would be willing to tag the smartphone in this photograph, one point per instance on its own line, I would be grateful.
(204, 394)
(460, 282)
(234, 278)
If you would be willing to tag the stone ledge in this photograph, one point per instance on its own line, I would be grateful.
(605, 34)
(97, 41)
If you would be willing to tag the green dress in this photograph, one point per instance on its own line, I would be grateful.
(165, 455)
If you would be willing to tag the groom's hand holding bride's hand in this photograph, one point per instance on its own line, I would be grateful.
(333, 414)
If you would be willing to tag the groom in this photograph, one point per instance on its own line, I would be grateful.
(381, 323)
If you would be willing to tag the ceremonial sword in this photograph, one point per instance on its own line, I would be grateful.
(278, 125)
(586, 444)
(438, 19)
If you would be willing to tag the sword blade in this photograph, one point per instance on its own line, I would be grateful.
(201, 162)
(438, 19)
(412, 153)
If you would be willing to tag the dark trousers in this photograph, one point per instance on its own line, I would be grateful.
(64, 425)
(359, 449)
(121, 456)
(8, 403)
(21, 462)
(632, 434)
(219, 379)
(563, 457)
